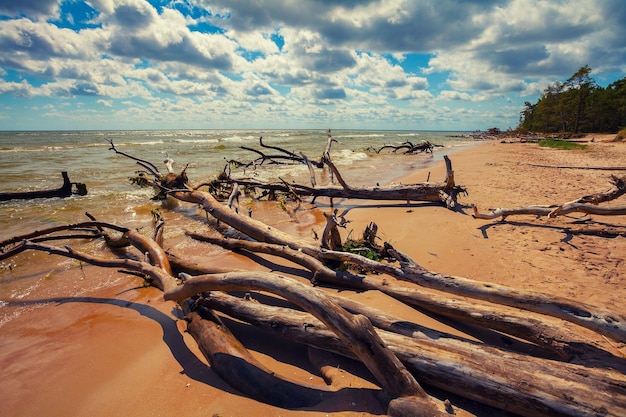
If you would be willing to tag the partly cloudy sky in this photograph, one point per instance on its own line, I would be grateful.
(262, 64)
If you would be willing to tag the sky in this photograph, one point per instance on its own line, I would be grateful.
(295, 64)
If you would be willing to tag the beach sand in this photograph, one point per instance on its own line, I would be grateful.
(119, 349)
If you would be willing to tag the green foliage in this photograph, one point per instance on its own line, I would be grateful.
(577, 105)
(561, 144)
(361, 249)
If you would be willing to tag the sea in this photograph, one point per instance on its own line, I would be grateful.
(34, 160)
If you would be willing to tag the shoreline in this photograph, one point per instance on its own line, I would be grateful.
(121, 348)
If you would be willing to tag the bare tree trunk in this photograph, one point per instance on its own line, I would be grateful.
(480, 312)
(63, 192)
(585, 204)
(355, 331)
(509, 381)
(228, 356)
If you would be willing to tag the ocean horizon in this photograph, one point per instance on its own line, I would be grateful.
(34, 160)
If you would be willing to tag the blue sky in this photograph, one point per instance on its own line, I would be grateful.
(241, 64)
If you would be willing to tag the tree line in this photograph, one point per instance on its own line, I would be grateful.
(578, 105)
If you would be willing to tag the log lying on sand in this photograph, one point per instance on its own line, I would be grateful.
(586, 204)
(602, 322)
(518, 383)
(487, 309)
(230, 359)
(355, 331)
(66, 190)
(542, 387)
(445, 192)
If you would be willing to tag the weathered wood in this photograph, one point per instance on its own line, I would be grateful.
(480, 312)
(232, 361)
(407, 147)
(151, 248)
(593, 168)
(585, 204)
(513, 382)
(539, 329)
(147, 165)
(402, 192)
(127, 264)
(354, 330)
(159, 278)
(66, 190)
(245, 224)
(550, 211)
(228, 357)
(512, 323)
(600, 320)
(283, 157)
(129, 237)
(442, 193)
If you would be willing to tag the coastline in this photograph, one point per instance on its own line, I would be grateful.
(123, 349)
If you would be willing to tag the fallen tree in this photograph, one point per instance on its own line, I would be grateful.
(515, 382)
(407, 148)
(225, 354)
(484, 374)
(283, 156)
(68, 189)
(445, 193)
(600, 321)
(398, 353)
(586, 204)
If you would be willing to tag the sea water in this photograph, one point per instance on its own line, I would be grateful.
(34, 161)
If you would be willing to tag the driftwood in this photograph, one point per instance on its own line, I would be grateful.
(587, 204)
(228, 357)
(486, 374)
(407, 148)
(593, 168)
(283, 156)
(477, 312)
(398, 353)
(563, 309)
(355, 331)
(444, 193)
(490, 381)
(66, 190)
(520, 325)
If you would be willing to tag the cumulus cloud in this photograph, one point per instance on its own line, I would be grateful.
(299, 59)
(38, 9)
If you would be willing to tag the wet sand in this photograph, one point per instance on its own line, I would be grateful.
(120, 349)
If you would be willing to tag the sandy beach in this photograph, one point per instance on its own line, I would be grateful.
(120, 349)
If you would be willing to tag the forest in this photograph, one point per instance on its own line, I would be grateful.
(578, 105)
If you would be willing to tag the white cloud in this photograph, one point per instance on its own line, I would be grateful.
(38, 9)
(350, 61)
(21, 89)
(454, 95)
